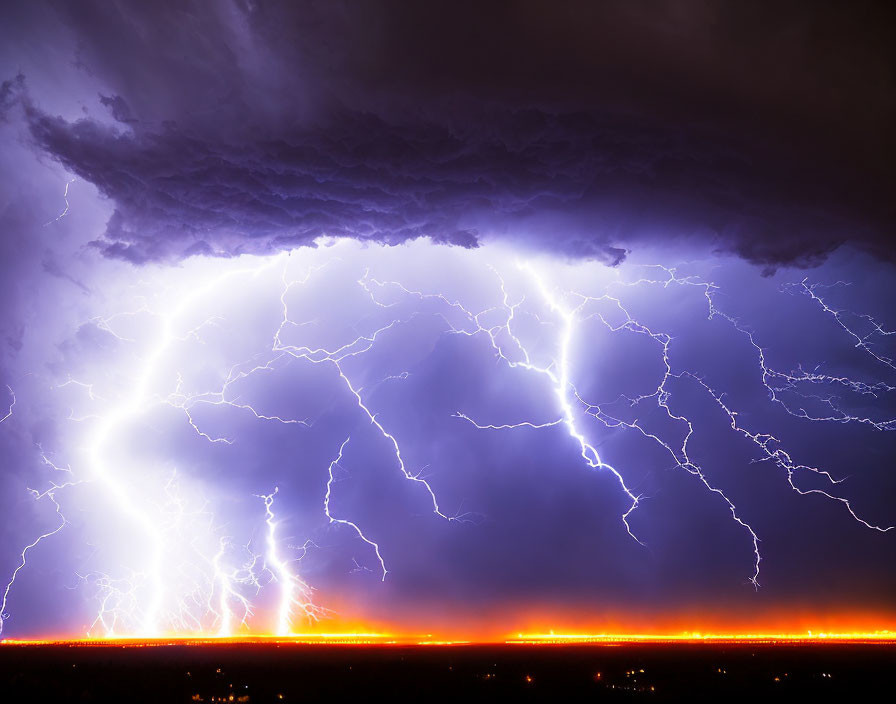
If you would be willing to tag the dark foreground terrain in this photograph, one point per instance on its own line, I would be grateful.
(287, 672)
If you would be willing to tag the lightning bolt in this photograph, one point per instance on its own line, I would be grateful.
(12, 404)
(558, 374)
(228, 595)
(356, 347)
(776, 382)
(65, 198)
(295, 594)
(50, 495)
(770, 445)
(862, 342)
(138, 600)
(196, 578)
(23, 556)
(345, 521)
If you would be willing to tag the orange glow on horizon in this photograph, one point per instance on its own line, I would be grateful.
(696, 637)
(548, 638)
(522, 626)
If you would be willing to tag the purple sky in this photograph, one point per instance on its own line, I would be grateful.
(237, 235)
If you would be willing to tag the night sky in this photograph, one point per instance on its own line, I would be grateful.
(456, 317)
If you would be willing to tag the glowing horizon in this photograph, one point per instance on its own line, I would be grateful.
(521, 638)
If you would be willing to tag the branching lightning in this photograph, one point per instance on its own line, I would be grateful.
(344, 521)
(356, 347)
(862, 342)
(195, 576)
(50, 495)
(295, 594)
(557, 372)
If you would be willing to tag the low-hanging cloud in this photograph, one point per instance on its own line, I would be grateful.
(578, 184)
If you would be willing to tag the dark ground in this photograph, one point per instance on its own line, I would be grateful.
(253, 672)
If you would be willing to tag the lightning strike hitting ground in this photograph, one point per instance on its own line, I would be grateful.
(295, 595)
(23, 561)
(197, 577)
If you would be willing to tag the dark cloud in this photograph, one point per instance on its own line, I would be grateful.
(577, 183)
(585, 129)
(10, 93)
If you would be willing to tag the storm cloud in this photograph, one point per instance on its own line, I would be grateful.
(253, 127)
